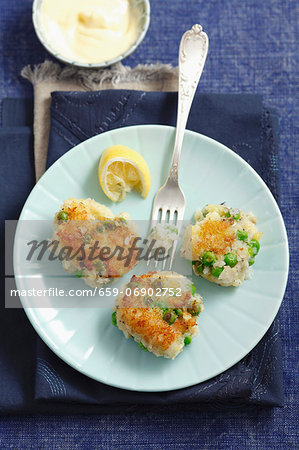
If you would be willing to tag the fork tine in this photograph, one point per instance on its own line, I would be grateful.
(164, 262)
(163, 214)
(155, 214)
(171, 220)
(171, 215)
(154, 222)
(179, 216)
(172, 254)
(149, 259)
(162, 221)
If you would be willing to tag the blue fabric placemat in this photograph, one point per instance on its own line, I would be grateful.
(247, 128)
(253, 49)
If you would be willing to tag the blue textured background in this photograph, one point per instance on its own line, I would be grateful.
(253, 49)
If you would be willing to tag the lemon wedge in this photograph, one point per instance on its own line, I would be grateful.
(122, 169)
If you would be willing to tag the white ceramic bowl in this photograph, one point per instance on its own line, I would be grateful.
(144, 7)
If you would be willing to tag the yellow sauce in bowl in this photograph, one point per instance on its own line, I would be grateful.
(89, 31)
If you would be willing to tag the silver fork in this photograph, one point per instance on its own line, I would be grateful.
(169, 203)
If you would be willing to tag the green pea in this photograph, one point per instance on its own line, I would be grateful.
(87, 238)
(62, 215)
(237, 216)
(242, 235)
(169, 316)
(78, 273)
(251, 261)
(227, 214)
(216, 271)
(99, 266)
(208, 258)
(187, 340)
(110, 225)
(198, 266)
(255, 245)
(142, 347)
(195, 308)
(250, 251)
(230, 259)
(113, 319)
(178, 311)
(193, 290)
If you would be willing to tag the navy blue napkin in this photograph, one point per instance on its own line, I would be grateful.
(17, 337)
(238, 121)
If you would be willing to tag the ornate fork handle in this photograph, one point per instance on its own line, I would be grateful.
(192, 56)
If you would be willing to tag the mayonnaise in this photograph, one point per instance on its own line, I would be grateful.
(89, 31)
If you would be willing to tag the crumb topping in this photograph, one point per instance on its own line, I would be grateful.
(214, 236)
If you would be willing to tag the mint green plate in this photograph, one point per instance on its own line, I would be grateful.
(234, 320)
